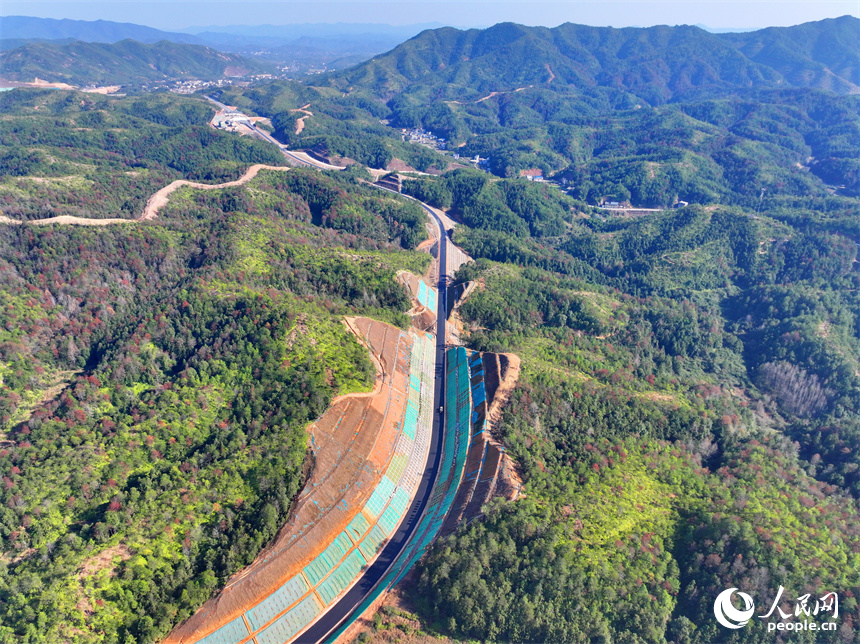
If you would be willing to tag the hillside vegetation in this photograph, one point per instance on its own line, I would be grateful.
(657, 64)
(650, 116)
(686, 419)
(86, 155)
(127, 62)
(156, 380)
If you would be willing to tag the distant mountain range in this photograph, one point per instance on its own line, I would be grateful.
(305, 47)
(299, 48)
(27, 28)
(721, 115)
(122, 63)
(314, 30)
(658, 64)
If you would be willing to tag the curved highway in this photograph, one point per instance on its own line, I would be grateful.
(267, 137)
(342, 611)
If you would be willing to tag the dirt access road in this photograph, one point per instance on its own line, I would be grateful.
(300, 122)
(155, 203)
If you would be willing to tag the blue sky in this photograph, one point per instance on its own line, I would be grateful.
(176, 15)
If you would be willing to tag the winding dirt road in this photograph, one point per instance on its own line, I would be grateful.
(155, 203)
(159, 199)
(300, 123)
(66, 220)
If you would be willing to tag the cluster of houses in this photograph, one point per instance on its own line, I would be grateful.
(422, 137)
(191, 86)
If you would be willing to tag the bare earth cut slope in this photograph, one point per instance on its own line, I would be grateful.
(424, 300)
(357, 493)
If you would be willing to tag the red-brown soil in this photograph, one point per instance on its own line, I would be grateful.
(399, 165)
(352, 444)
(422, 317)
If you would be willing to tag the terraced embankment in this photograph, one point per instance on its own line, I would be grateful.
(488, 472)
(370, 454)
(473, 466)
(425, 301)
(465, 437)
(455, 443)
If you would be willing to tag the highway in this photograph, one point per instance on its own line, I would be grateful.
(343, 610)
(340, 612)
(269, 138)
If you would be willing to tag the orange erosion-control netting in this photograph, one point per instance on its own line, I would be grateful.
(352, 443)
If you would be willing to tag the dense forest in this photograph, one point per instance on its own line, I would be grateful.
(658, 64)
(686, 420)
(157, 379)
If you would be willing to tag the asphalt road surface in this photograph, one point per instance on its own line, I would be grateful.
(265, 136)
(346, 605)
(343, 610)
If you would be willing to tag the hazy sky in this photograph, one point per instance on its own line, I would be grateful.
(175, 15)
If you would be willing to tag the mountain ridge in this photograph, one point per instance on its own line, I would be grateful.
(659, 64)
(31, 28)
(826, 43)
(122, 63)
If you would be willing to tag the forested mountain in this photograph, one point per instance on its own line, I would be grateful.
(822, 54)
(657, 64)
(123, 63)
(651, 116)
(14, 43)
(156, 378)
